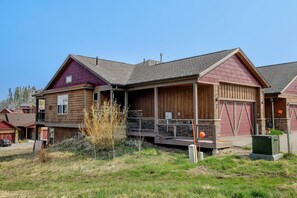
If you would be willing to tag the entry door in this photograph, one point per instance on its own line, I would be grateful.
(293, 118)
(236, 118)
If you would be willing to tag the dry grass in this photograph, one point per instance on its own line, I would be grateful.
(155, 172)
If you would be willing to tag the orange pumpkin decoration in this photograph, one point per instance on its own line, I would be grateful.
(201, 134)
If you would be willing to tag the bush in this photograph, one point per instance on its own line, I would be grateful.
(105, 125)
(276, 132)
(43, 156)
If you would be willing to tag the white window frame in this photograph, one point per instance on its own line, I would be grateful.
(62, 104)
(69, 79)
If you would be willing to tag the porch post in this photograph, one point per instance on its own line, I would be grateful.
(272, 112)
(156, 113)
(111, 95)
(195, 104)
(126, 99)
(99, 98)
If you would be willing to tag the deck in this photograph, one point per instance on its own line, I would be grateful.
(175, 132)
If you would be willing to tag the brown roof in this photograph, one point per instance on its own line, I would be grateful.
(21, 119)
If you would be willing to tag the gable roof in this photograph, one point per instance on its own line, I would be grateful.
(119, 73)
(21, 119)
(279, 76)
(12, 126)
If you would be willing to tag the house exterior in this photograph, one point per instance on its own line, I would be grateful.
(7, 130)
(281, 97)
(25, 122)
(219, 93)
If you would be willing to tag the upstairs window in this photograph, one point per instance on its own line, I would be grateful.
(63, 104)
(69, 79)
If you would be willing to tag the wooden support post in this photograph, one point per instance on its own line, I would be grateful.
(195, 102)
(272, 112)
(156, 110)
(126, 99)
(26, 133)
(111, 98)
(99, 98)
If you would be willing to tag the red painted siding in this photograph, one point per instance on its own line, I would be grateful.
(4, 125)
(231, 71)
(292, 88)
(80, 75)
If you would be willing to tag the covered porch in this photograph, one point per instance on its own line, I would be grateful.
(172, 113)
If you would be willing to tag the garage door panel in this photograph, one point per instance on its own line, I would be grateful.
(236, 118)
(227, 118)
(293, 118)
(9, 136)
(245, 123)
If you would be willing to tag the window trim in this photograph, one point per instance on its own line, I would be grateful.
(64, 95)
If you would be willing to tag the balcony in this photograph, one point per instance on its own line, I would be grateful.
(40, 117)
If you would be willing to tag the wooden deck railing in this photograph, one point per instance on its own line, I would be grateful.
(174, 128)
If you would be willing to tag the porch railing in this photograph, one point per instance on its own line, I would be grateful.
(40, 116)
(183, 129)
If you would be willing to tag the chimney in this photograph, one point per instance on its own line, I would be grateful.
(96, 60)
(144, 61)
(161, 57)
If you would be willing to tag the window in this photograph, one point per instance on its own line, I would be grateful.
(63, 104)
(69, 79)
(95, 96)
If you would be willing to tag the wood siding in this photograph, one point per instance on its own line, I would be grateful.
(64, 133)
(205, 102)
(232, 71)
(279, 104)
(76, 104)
(176, 99)
(237, 92)
(80, 75)
(142, 100)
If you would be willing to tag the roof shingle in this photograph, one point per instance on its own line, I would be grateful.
(127, 74)
(279, 76)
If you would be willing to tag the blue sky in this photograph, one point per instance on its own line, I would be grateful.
(36, 36)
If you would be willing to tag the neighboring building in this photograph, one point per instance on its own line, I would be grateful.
(220, 93)
(25, 123)
(281, 97)
(27, 108)
(6, 110)
(7, 130)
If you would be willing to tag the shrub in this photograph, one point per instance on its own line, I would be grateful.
(43, 155)
(105, 126)
(276, 132)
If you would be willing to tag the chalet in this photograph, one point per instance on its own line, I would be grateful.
(219, 93)
(281, 97)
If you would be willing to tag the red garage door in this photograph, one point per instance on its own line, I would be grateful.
(9, 136)
(293, 118)
(236, 118)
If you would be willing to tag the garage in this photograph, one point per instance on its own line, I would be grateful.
(236, 118)
(293, 118)
(8, 131)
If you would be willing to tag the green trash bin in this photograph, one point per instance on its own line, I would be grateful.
(266, 144)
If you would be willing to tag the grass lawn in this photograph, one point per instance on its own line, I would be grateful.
(154, 172)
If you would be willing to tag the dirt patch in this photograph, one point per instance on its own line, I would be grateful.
(234, 150)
